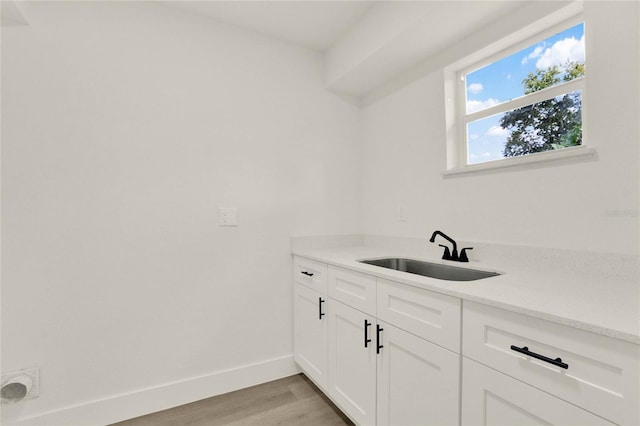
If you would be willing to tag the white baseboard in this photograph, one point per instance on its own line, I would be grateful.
(137, 403)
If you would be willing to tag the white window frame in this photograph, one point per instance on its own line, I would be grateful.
(458, 118)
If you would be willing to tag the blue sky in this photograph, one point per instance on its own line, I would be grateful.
(502, 80)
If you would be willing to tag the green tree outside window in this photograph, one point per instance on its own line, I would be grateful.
(552, 124)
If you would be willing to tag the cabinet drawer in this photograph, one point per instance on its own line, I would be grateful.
(353, 288)
(602, 375)
(310, 273)
(432, 316)
(492, 398)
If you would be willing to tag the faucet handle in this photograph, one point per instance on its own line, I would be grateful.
(447, 253)
(463, 254)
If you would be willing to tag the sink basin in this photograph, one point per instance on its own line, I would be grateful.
(431, 270)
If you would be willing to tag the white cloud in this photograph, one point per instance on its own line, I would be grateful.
(474, 136)
(568, 49)
(475, 88)
(509, 76)
(497, 131)
(534, 54)
(473, 106)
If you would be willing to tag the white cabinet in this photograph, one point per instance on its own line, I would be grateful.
(379, 372)
(310, 333)
(391, 354)
(310, 324)
(490, 398)
(417, 381)
(595, 372)
(352, 362)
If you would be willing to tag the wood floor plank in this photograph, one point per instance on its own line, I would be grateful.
(293, 400)
(306, 412)
(303, 388)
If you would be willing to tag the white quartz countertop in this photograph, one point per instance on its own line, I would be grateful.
(605, 306)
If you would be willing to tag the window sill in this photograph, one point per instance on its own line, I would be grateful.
(574, 154)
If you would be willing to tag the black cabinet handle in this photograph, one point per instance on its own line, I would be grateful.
(525, 350)
(320, 313)
(366, 333)
(378, 345)
(309, 274)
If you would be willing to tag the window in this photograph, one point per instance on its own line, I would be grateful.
(526, 101)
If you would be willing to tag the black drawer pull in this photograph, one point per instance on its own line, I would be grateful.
(309, 274)
(525, 350)
(378, 345)
(366, 333)
(320, 313)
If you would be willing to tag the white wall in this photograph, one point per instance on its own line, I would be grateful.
(588, 205)
(125, 126)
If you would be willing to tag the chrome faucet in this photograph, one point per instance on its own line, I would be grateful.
(453, 255)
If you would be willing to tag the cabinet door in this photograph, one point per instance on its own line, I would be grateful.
(352, 366)
(310, 333)
(418, 381)
(492, 398)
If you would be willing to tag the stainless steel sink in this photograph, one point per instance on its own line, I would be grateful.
(431, 270)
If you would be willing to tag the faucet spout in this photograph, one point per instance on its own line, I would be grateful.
(453, 255)
(454, 252)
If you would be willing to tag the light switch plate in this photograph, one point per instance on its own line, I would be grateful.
(228, 216)
(402, 214)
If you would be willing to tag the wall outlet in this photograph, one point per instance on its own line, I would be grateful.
(227, 216)
(20, 384)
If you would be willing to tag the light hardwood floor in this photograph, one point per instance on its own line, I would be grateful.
(290, 401)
